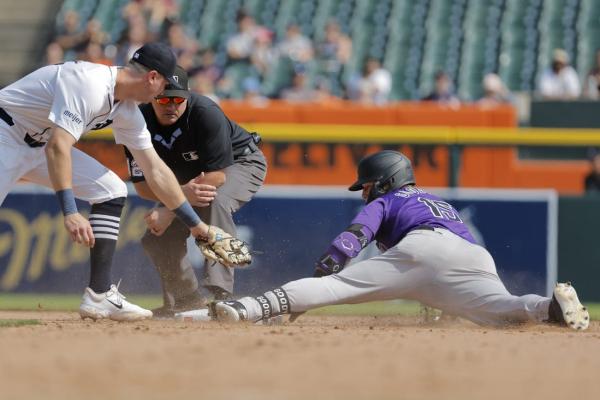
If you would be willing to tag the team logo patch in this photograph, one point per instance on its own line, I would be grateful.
(134, 169)
(190, 156)
(101, 125)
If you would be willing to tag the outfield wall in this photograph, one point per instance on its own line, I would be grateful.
(469, 145)
(289, 226)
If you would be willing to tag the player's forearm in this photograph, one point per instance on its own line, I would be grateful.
(58, 158)
(164, 186)
(144, 191)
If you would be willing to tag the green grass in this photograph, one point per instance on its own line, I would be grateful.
(56, 302)
(9, 323)
(60, 302)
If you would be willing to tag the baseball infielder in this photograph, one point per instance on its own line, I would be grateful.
(427, 255)
(43, 114)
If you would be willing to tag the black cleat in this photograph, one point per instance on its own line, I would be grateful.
(228, 311)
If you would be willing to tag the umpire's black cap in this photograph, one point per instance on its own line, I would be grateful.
(158, 57)
(182, 80)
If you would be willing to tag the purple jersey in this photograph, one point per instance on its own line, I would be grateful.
(394, 214)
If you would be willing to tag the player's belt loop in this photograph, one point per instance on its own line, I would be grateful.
(6, 118)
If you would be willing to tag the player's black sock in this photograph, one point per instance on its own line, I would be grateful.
(104, 219)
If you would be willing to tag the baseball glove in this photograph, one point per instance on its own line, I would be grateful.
(224, 248)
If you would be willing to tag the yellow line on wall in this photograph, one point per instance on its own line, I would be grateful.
(415, 134)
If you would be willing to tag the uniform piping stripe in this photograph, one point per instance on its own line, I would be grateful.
(104, 216)
(105, 236)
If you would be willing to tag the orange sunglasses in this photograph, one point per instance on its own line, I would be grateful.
(163, 101)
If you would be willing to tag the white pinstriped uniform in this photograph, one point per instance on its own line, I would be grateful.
(78, 97)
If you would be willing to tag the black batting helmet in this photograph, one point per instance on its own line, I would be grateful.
(387, 169)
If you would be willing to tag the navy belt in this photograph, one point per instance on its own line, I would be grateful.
(251, 147)
(5, 117)
(31, 142)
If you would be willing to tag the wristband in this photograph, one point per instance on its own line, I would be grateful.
(67, 201)
(187, 215)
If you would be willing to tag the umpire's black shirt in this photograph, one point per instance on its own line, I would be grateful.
(202, 140)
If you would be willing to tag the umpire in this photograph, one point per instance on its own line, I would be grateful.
(219, 167)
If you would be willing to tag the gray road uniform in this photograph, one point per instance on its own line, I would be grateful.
(202, 140)
(427, 254)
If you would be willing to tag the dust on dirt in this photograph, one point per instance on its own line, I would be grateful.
(317, 357)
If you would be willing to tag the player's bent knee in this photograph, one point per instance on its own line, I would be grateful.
(223, 204)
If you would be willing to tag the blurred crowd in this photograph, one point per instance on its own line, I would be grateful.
(312, 70)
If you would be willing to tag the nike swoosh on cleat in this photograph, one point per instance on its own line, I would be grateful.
(119, 306)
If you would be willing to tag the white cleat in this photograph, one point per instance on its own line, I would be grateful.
(229, 311)
(112, 305)
(574, 314)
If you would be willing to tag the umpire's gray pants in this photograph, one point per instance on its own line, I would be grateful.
(168, 251)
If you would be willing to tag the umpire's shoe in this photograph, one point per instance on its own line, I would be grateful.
(565, 308)
(193, 301)
(228, 311)
(110, 304)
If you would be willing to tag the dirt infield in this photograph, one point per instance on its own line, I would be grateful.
(317, 357)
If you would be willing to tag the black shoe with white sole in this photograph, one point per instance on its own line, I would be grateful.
(228, 311)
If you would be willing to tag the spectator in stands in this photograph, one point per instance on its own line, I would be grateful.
(592, 180)
(264, 55)
(202, 84)
(335, 50)
(375, 85)
(70, 35)
(241, 45)
(300, 91)
(296, 46)
(137, 35)
(323, 93)
(252, 94)
(494, 91)
(158, 12)
(95, 53)
(443, 93)
(54, 54)
(180, 41)
(209, 67)
(591, 87)
(560, 80)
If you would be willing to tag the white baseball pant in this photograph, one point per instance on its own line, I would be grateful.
(92, 181)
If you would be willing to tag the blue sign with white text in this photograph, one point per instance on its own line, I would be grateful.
(287, 228)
